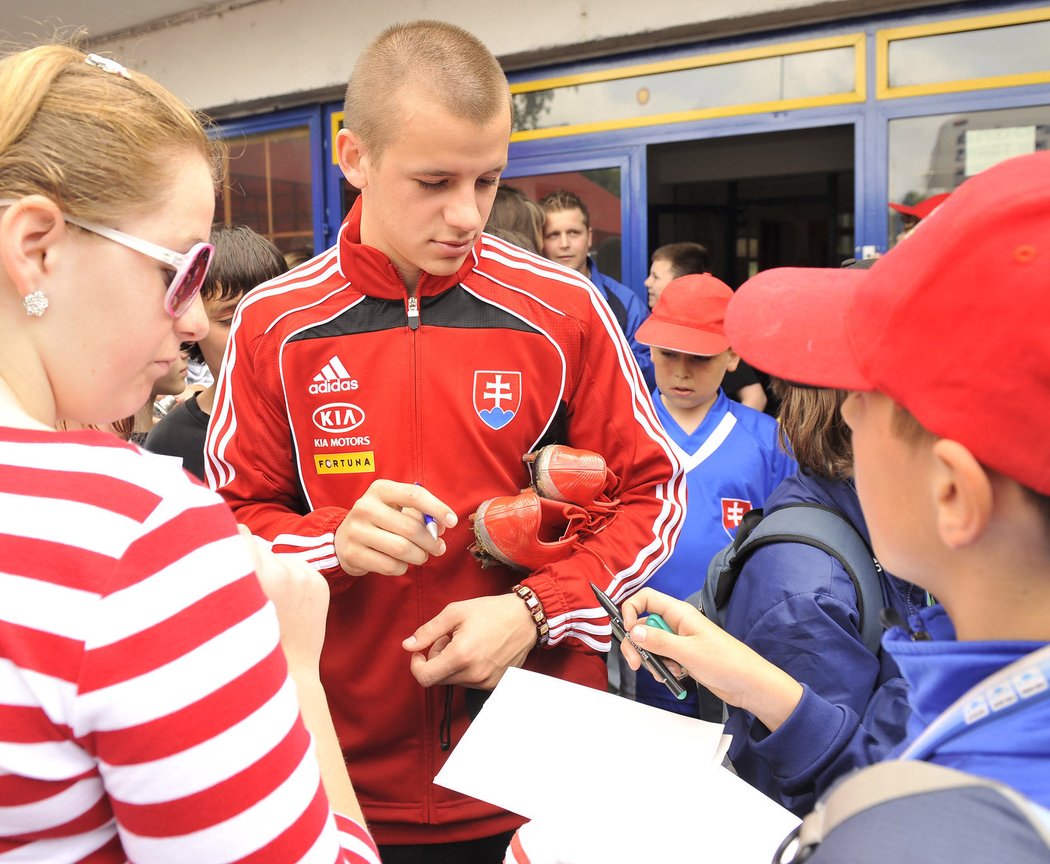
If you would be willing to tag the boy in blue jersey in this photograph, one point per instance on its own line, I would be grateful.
(729, 451)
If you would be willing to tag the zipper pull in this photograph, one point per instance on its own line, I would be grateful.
(890, 617)
(413, 313)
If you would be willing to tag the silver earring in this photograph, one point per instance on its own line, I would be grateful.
(35, 303)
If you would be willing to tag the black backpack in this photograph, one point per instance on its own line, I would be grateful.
(812, 525)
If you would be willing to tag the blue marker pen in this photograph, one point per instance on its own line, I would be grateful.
(432, 525)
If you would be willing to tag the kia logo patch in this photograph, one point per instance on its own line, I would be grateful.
(338, 417)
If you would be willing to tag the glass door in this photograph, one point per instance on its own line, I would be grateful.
(608, 181)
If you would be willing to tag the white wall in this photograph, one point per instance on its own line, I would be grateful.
(287, 51)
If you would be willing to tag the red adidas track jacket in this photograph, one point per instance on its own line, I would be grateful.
(331, 381)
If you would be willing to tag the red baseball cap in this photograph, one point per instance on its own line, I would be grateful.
(953, 324)
(689, 316)
(923, 208)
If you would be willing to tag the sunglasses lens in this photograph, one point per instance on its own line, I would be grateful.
(187, 282)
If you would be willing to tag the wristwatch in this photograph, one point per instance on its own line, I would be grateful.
(532, 603)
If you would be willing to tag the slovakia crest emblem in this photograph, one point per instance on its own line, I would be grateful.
(497, 397)
(733, 510)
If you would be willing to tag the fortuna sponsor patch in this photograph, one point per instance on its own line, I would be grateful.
(361, 462)
(497, 397)
(733, 510)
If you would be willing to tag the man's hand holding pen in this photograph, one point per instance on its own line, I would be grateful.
(387, 529)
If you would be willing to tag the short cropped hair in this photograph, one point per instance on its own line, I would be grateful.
(811, 423)
(684, 259)
(563, 199)
(445, 61)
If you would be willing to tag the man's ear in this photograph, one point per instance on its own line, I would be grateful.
(352, 159)
(733, 361)
(963, 494)
(30, 230)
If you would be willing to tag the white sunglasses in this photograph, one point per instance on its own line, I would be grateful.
(190, 267)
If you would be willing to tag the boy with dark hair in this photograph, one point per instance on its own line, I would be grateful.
(567, 239)
(242, 260)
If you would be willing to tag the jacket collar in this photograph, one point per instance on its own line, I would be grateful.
(370, 271)
(941, 669)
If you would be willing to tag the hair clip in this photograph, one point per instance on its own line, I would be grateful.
(107, 65)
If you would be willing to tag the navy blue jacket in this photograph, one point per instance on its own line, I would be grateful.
(796, 606)
(1013, 746)
(630, 312)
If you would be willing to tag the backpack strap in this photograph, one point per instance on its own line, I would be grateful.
(827, 530)
(726, 565)
(894, 781)
(1013, 688)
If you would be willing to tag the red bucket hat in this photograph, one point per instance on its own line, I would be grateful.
(689, 316)
(953, 323)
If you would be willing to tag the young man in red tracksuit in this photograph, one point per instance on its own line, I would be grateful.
(419, 351)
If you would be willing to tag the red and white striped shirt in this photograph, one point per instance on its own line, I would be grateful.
(146, 712)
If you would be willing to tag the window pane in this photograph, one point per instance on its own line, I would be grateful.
(1016, 50)
(269, 188)
(935, 154)
(768, 79)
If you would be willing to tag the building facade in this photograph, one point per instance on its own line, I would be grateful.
(776, 133)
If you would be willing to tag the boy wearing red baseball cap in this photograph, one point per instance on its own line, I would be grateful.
(912, 214)
(729, 451)
(952, 468)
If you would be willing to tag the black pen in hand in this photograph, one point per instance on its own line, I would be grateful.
(651, 662)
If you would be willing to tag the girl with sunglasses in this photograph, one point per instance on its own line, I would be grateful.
(148, 710)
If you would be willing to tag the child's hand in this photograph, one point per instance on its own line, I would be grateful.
(722, 663)
(300, 595)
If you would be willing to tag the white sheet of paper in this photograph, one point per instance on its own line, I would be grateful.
(628, 780)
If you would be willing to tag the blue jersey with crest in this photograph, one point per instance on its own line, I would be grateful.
(733, 462)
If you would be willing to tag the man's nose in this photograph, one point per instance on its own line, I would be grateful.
(463, 212)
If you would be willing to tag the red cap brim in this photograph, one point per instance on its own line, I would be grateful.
(681, 338)
(793, 322)
(904, 210)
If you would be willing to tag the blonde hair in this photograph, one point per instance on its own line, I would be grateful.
(444, 60)
(96, 143)
(811, 421)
